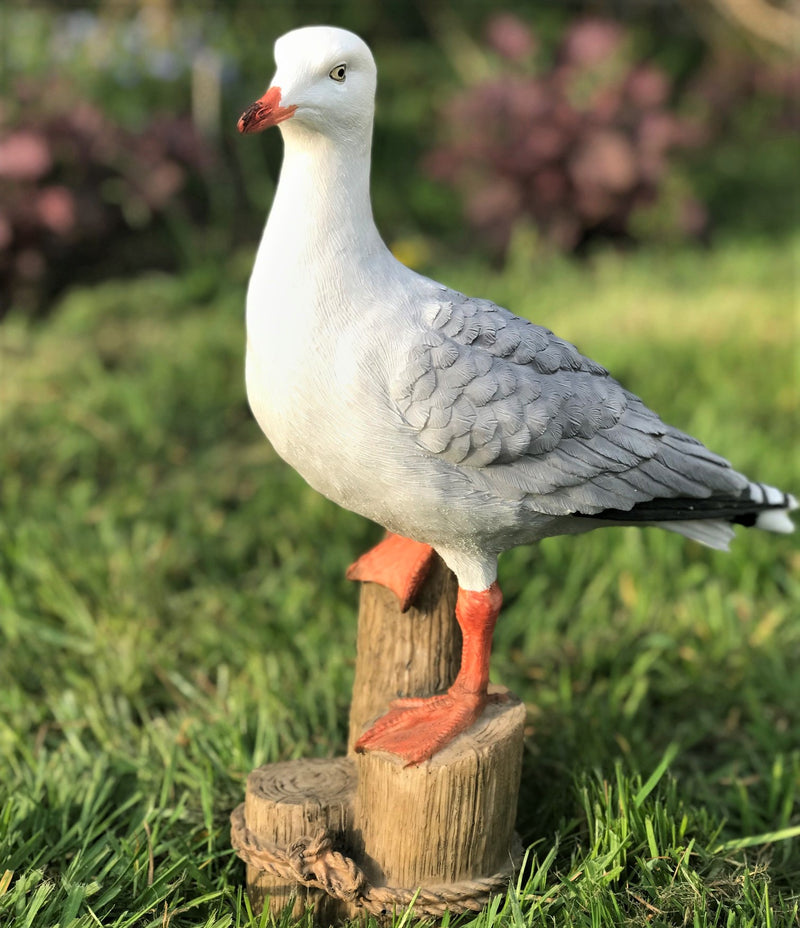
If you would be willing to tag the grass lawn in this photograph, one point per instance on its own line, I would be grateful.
(173, 613)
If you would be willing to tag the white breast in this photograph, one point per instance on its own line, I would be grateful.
(316, 382)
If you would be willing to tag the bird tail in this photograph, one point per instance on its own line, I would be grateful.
(710, 520)
(773, 509)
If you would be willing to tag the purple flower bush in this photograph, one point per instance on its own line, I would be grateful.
(579, 146)
(77, 190)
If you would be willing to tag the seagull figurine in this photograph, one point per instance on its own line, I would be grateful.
(461, 428)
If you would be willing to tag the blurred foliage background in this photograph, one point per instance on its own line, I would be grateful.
(173, 609)
(560, 124)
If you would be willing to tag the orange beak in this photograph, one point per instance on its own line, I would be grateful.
(265, 112)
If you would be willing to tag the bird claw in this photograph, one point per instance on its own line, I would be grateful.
(415, 728)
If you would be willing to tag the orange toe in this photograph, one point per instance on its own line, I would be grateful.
(415, 729)
(397, 563)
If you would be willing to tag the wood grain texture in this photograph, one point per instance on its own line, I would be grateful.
(452, 817)
(286, 801)
(444, 822)
(416, 653)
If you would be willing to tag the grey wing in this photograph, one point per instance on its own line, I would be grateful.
(532, 419)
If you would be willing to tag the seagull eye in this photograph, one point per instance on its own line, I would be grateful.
(338, 73)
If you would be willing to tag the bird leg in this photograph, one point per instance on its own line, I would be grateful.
(397, 563)
(416, 728)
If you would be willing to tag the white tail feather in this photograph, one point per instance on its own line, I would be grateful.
(776, 520)
(715, 533)
(773, 520)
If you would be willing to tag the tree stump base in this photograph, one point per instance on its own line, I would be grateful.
(285, 803)
(451, 818)
(364, 835)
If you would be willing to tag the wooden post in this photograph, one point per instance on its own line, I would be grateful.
(446, 826)
(452, 818)
(292, 800)
(416, 653)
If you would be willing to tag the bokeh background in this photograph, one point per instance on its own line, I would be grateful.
(589, 123)
(173, 608)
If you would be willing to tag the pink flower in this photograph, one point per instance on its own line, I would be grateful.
(647, 87)
(590, 41)
(55, 206)
(604, 161)
(510, 37)
(24, 155)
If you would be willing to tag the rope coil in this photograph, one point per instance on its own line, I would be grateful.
(312, 862)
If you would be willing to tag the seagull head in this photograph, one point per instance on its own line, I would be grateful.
(324, 82)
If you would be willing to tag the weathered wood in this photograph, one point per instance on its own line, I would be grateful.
(287, 801)
(416, 653)
(451, 818)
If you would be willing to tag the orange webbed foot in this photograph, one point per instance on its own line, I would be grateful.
(397, 563)
(415, 729)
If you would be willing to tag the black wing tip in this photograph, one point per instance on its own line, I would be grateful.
(741, 510)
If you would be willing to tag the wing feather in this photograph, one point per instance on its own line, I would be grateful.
(531, 419)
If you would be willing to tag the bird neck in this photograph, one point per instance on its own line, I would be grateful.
(322, 210)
